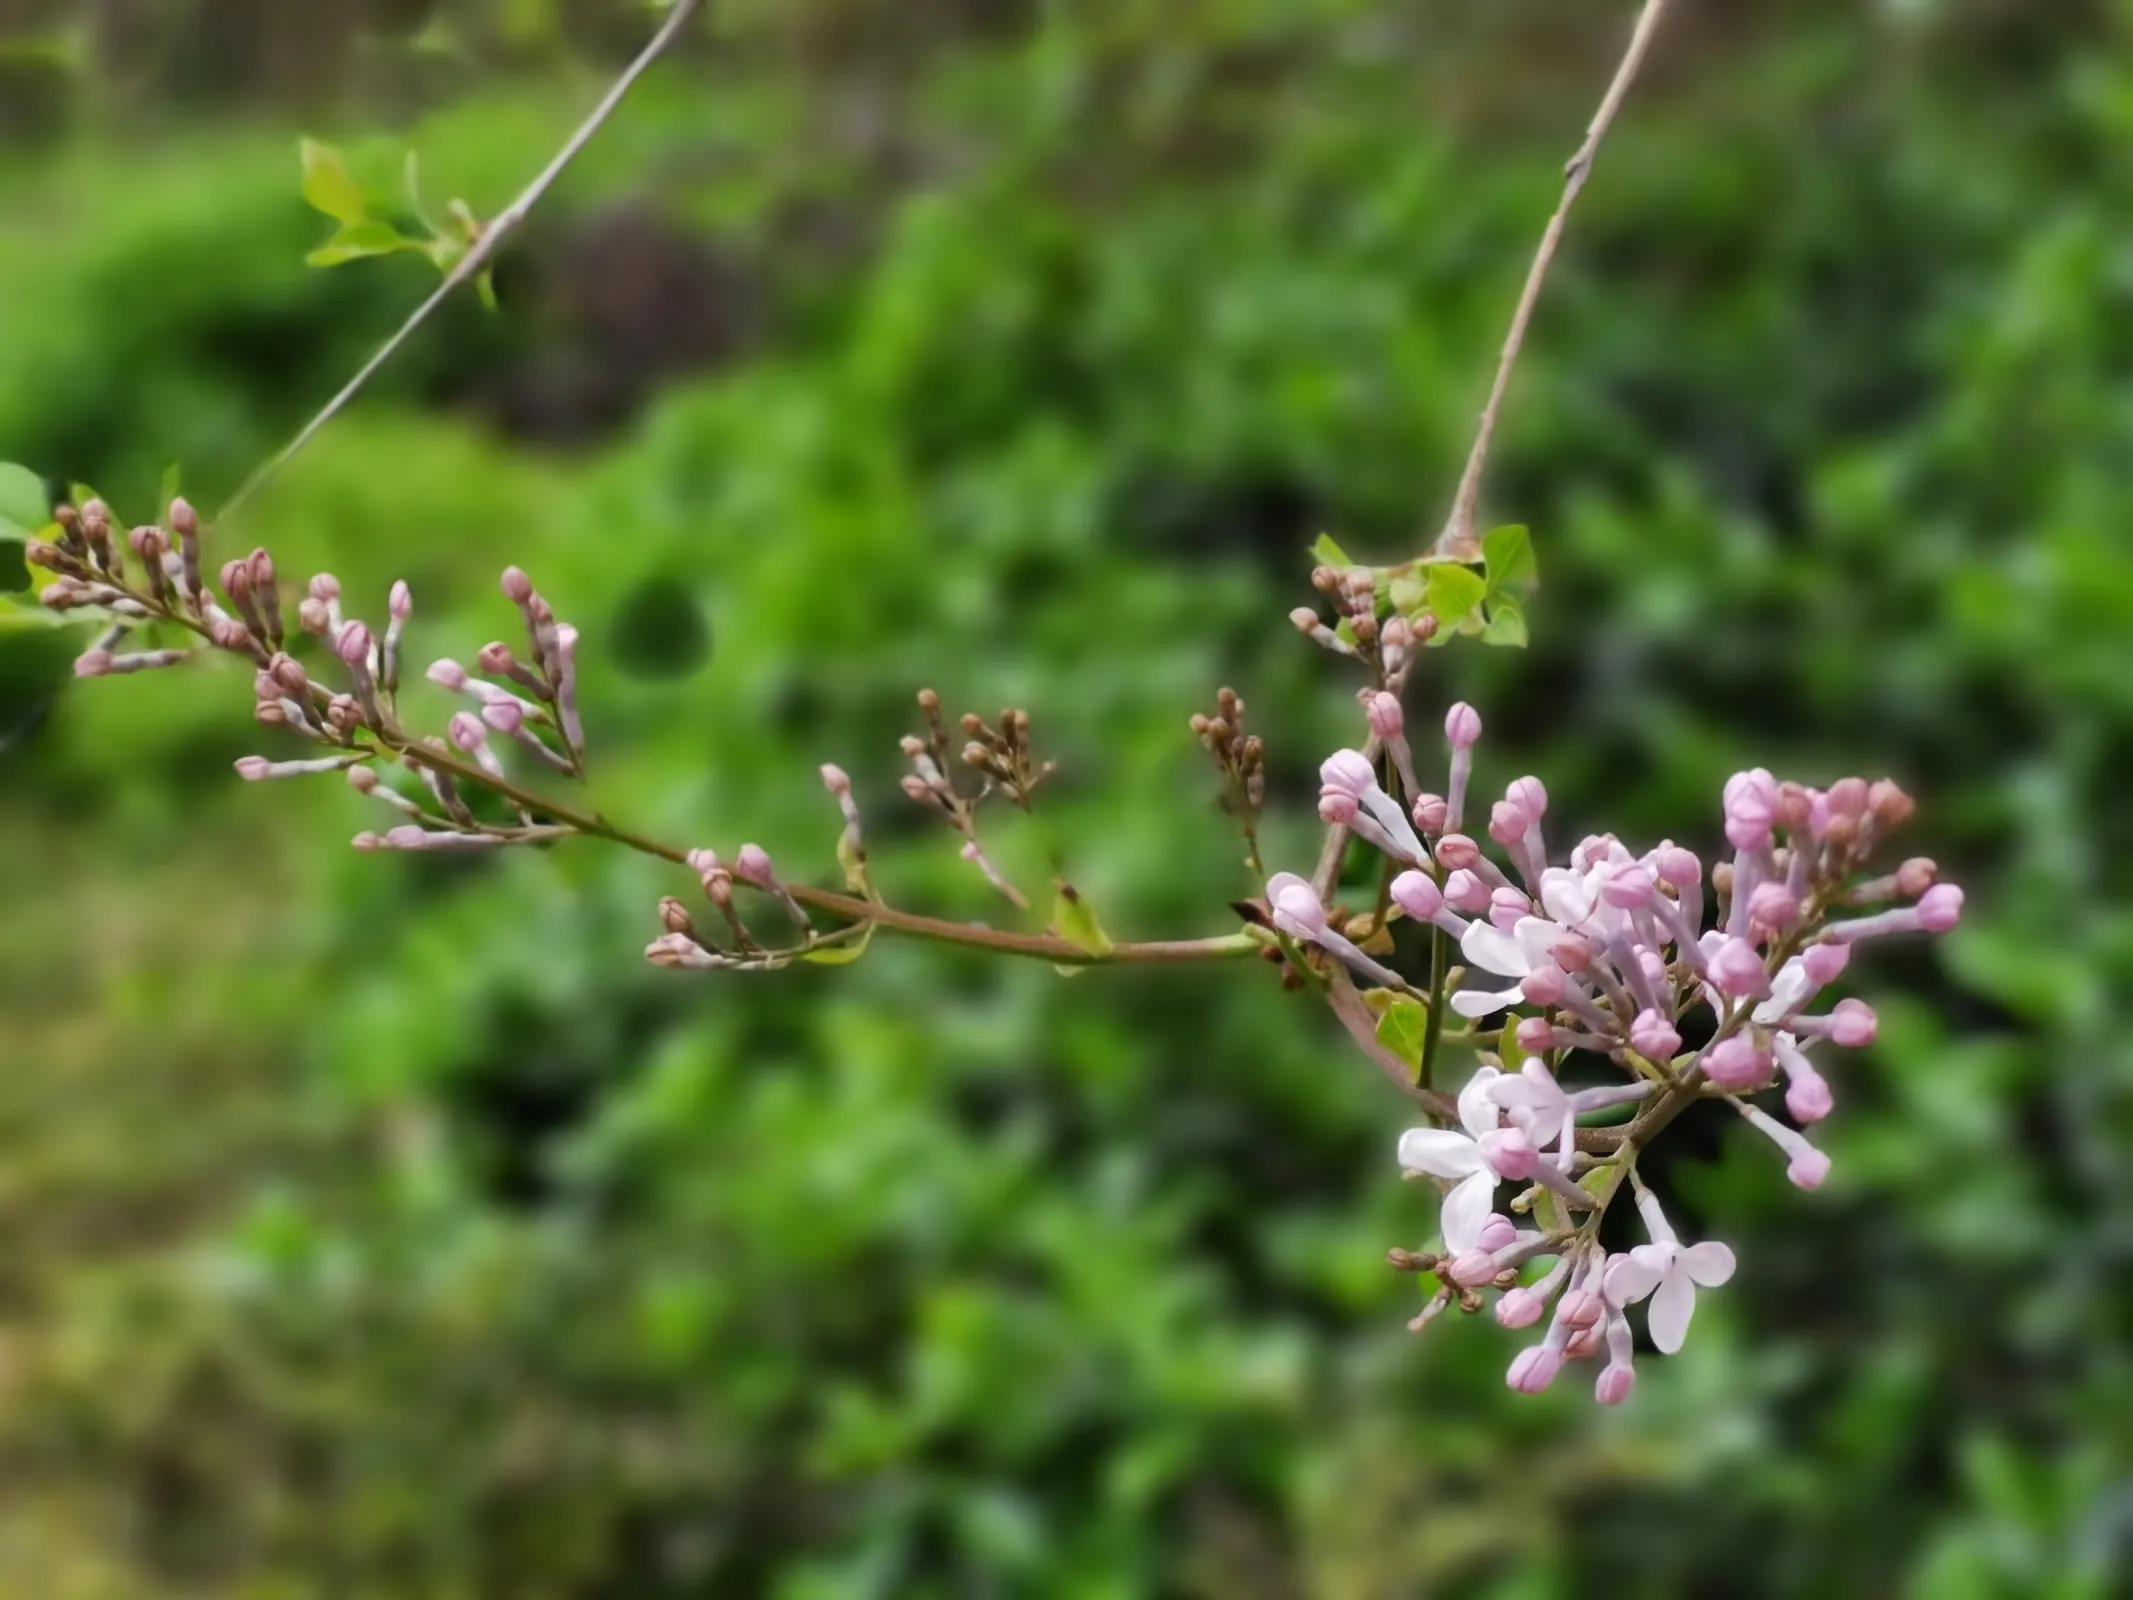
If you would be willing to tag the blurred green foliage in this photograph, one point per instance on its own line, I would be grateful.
(382, 1228)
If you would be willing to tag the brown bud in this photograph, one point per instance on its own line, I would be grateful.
(674, 916)
(269, 714)
(1916, 876)
(183, 518)
(1326, 580)
(976, 755)
(48, 556)
(929, 702)
(1848, 797)
(1892, 808)
(1794, 809)
(1843, 829)
(972, 724)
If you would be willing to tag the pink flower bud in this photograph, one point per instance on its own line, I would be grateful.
(400, 605)
(1457, 851)
(1508, 823)
(237, 580)
(1507, 905)
(1465, 892)
(367, 842)
(1519, 1308)
(702, 861)
(1462, 726)
(1533, 1369)
(1509, 1154)
(1853, 1024)
(288, 676)
(263, 573)
(1582, 1308)
(496, 659)
(1614, 1384)
(916, 788)
(1544, 986)
(752, 865)
(1773, 906)
(1417, 896)
(1497, 1232)
(1628, 888)
(505, 716)
(1749, 830)
(835, 779)
(1573, 952)
(1471, 1270)
(1940, 908)
(1530, 795)
(1534, 1035)
(1848, 797)
(227, 633)
(1823, 962)
(1386, 719)
(1349, 771)
(1737, 971)
(92, 664)
(466, 731)
(1808, 1098)
(1808, 1168)
(1736, 1064)
(1429, 813)
(1337, 807)
(252, 768)
(1677, 866)
(1305, 619)
(352, 643)
(314, 616)
(517, 587)
(1298, 902)
(362, 780)
(324, 587)
(1653, 1037)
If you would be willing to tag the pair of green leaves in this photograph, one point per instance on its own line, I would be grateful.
(25, 514)
(1463, 599)
(367, 231)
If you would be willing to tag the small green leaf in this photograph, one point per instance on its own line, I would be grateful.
(327, 185)
(1401, 1027)
(1410, 593)
(361, 239)
(1508, 552)
(24, 506)
(844, 954)
(170, 487)
(485, 288)
(1454, 592)
(1507, 624)
(1074, 922)
(1328, 553)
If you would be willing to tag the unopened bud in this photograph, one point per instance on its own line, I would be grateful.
(517, 587)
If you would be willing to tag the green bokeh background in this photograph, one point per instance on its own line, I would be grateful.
(376, 1227)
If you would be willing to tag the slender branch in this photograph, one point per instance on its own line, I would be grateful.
(481, 252)
(1461, 539)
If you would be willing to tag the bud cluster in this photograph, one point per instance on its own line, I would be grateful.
(1002, 758)
(359, 720)
(1608, 962)
(1240, 758)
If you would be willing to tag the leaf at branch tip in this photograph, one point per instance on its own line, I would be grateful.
(359, 240)
(1507, 624)
(1508, 554)
(1454, 592)
(327, 185)
(24, 506)
(1328, 553)
(1073, 921)
(1402, 1023)
(842, 955)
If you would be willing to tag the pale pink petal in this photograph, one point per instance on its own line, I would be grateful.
(1565, 897)
(1709, 1263)
(1439, 1152)
(1477, 1102)
(1466, 1208)
(1671, 1309)
(1629, 1280)
(1492, 950)
(1484, 1002)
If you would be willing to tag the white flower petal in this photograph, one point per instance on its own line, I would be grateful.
(1439, 1152)
(1537, 938)
(1787, 990)
(1466, 1208)
(1477, 1103)
(1485, 1002)
(1709, 1263)
(1565, 897)
(1492, 950)
(1629, 1280)
(1671, 1308)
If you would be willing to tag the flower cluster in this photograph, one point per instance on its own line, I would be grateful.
(1607, 962)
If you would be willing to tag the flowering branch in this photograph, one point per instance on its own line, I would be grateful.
(1602, 999)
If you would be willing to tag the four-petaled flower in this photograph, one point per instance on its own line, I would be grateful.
(1457, 1155)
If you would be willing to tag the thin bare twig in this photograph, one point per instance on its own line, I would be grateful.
(1461, 538)
(482, 251)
